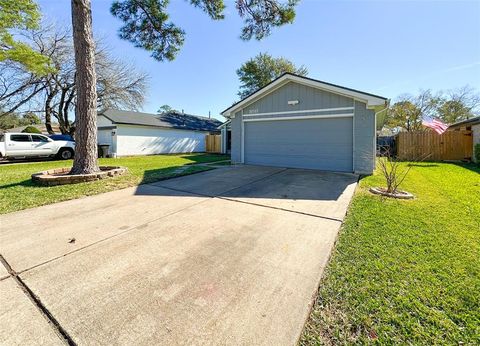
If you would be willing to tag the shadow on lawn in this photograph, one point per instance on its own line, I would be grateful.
(25, 183)
(422, 166)
(153, 175)
(475, 167)
(202, 158)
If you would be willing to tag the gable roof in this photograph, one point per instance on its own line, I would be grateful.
(370, 99)
(471, 121)
(174, 120)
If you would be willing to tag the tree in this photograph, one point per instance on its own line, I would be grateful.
(165, 109)
(450, 107)
(408, 111)
(85, 159)
(146, 25)
(31, 129)
(257, 72)
(31, 119)
(404, 114)
(20, 15)
(12, 120)
(119, 85)
(458, 104)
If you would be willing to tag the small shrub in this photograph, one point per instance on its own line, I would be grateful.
(393, 172)
(31, 129)
(477, 152)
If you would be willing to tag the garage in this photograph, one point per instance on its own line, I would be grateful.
(300, 122)
(324, 144)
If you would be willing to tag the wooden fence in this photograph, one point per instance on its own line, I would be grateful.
(429, 146)
(213, 143)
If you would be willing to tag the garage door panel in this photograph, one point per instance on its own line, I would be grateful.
(299, 148)
(314, 143)
(302, 162)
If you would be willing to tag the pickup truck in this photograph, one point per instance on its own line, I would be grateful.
(29, 145)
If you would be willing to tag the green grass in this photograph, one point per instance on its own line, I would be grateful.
(405, 272)
(18, 192)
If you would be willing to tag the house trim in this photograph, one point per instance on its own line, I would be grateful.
(300, 117)
(303, 111)
(370, 99)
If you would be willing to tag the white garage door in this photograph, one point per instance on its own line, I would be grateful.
(325, 144)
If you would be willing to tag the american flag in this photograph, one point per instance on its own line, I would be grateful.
(434, 124)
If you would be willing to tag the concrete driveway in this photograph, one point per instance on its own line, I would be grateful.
(230, 256)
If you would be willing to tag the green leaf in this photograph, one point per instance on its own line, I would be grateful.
(20, 15)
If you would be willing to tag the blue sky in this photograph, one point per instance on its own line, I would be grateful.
(383, 47)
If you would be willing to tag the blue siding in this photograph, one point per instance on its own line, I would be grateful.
(236, 150)
(364, 155)
(308, 97)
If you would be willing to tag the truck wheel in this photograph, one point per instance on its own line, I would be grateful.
(65, 154)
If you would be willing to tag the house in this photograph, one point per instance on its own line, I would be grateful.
(135, 133)
(472, 124)
(301, 122)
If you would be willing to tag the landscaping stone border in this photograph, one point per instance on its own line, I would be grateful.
(61, 176)
(398, 194)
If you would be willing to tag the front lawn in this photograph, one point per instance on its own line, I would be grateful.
(405, 272)
(17, 191)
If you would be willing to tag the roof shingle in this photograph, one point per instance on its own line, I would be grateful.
(173, 120)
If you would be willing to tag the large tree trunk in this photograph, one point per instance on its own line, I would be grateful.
(85, 160)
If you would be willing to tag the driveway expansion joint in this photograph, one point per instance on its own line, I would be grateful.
(107, 238)
(281, 209)
(251, 203)
(52, 321)
(226, 191)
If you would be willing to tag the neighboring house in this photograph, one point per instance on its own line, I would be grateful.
(135, 133)
(472, 124)
(301, 122)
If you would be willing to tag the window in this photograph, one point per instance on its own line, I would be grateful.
(38, 138)
(20, 138)
(2, 138)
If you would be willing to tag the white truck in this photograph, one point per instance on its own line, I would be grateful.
(29, 145)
